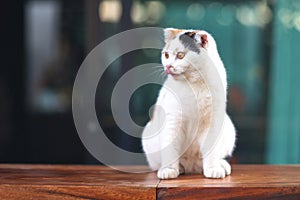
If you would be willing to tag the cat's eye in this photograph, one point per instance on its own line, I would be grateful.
(166, 55)
(180, 55)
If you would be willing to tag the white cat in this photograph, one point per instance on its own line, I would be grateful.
(183, 135)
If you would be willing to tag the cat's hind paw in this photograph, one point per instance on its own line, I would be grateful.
(167, 173)
(219, 171)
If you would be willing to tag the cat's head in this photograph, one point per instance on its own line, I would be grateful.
(183, 49)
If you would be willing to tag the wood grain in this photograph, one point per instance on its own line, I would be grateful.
(99, 182)
(74, 182)
(246, 182)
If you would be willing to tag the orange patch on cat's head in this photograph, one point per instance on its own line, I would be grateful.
(171, 33)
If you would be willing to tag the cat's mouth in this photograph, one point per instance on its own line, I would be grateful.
(169, 72)
(172, 71)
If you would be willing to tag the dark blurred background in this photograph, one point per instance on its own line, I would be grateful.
(43, 43)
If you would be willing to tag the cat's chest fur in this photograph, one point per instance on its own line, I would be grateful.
(185, 100)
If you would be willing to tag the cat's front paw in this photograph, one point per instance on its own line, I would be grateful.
(218, 171)
(167, 173)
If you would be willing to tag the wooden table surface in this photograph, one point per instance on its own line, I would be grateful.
(99, 182)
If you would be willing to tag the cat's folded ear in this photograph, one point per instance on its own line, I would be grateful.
(170, 33)
(201, 39)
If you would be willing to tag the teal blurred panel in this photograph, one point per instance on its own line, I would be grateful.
(283, 145)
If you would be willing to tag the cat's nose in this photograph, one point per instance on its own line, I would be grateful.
(169, 66)
(168, 70)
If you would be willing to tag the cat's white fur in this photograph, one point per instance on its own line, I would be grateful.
(175, 137)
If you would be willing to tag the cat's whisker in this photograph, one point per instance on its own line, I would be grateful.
(158, 73)
(158, 70)
(158, 67)
(163, 75)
